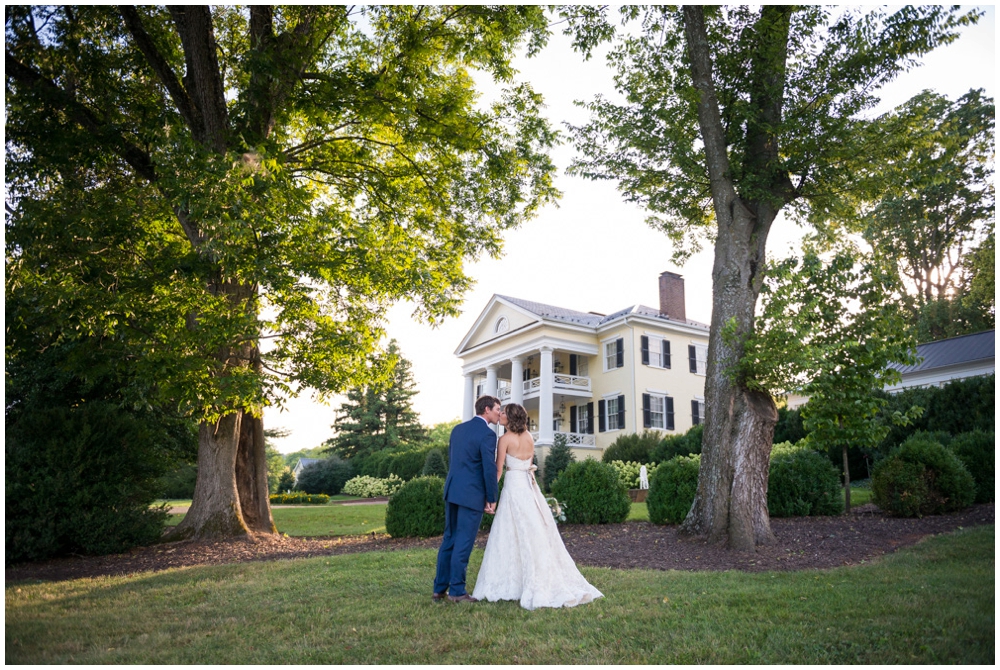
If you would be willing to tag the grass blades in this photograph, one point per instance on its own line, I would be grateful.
(932, 603)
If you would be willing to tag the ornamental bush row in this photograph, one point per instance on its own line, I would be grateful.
(922, 476)
(299, 498)
(802, 482)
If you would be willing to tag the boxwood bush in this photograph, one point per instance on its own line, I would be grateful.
(417, 509)
(672, 487)
(922, 477)
(802, 482)
(977, 450)
(557, 460)
(593, 493)
(678, 445)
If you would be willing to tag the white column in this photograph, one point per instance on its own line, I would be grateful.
(468, 405)
(491, 381)
(545, 432)
(517, 380)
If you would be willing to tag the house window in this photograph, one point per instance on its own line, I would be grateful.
(655, 351)
(698, 358)
(502, 325)
(697, 411)
(657, 411)
(582, 418)
(614, 354)
(612, 405)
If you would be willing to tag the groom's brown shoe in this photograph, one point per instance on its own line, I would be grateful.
(464, 598)
(438, 597)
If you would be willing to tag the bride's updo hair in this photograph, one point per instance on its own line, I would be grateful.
(517, 418)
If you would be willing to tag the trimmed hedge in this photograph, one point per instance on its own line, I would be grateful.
(299, 498)
(802, 482)
(977, 451)
(417, 509)
(593, 493)
(672, 487)
(922, 477)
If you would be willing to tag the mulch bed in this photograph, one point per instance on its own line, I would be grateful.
(802, 543)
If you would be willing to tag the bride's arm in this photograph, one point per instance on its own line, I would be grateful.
(501, 453)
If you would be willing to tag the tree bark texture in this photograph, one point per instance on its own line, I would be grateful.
(731, 502)
(215, 509)
(251, 476)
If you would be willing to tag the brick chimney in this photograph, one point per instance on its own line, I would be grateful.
(672, 296)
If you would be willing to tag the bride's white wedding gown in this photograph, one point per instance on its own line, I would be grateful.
(525, 557)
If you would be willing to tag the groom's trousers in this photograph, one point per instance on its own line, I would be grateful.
(461, 524)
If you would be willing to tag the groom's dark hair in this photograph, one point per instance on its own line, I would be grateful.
(484, 403)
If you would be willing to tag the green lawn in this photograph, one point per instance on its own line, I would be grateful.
(312, 520)
(932, 603)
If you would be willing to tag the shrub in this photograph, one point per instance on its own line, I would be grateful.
(789, 427)
(628, 473)
(802, 482)
(287, 481)
(678, 445)
(179, 483)
(325, 476)
(633, 447)
(407, 464)
(977, 451)
(417, 509)
(299, 498)
(557, 460)
(434, 464)
(82, 480)
(960, 406)
(946, 483)
(372, 487)
(672, 488)
(592, 493)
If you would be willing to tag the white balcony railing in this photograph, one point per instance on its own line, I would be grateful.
(572, 439)
(560, 382)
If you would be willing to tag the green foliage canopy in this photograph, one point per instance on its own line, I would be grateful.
(201, 179)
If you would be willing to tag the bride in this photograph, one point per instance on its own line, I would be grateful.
(525, 558)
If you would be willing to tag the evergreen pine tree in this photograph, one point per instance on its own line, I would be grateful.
(559, 458)
(378, 417)
(435, 465)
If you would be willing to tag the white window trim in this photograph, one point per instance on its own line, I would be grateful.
(658, 353)
(604, 353)
(662, 397)
(700, 347)
(608, 413)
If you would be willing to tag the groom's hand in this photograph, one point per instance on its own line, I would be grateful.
(490, 508)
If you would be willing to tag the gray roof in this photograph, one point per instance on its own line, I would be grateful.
(307, 461)
(594, 320)
(953, 351)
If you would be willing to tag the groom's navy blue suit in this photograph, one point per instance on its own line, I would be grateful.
(471, 483)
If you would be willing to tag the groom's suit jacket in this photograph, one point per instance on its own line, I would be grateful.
(472, 467)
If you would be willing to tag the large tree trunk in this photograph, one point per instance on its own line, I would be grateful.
(215, 509)
(731, 502)
(251, 476)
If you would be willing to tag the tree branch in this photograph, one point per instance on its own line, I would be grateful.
(203, 78)
(186, 106)
(60, 100)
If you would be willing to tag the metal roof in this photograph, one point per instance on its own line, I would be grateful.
(593, 320)
(953, 351)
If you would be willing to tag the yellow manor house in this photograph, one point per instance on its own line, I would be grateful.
(590, 377)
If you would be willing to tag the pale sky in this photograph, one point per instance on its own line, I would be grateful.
(593, 252)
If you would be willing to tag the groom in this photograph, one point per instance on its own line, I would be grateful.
(469, 490)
